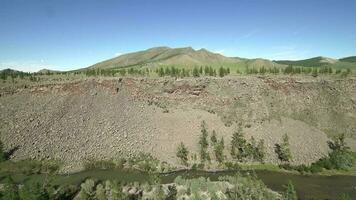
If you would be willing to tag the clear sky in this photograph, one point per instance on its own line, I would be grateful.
(69, 34)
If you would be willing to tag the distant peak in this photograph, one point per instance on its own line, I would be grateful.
(187, 48)
(203, 50)
(159, 48)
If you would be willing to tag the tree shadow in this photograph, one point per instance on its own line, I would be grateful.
(10, 152)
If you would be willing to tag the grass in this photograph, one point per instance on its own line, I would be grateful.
(29, 167)
(275, 168)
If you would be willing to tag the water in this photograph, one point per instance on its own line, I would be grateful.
(307, 186)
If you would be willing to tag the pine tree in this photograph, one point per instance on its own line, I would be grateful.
(182, 153)
(261, 151)
(160, 72)
(283, 151)
(213, 138)
(238, 145)
(219, 150)
(203, 142)
(338, 144)
(221, 72)
(195, 72)
(315, 72)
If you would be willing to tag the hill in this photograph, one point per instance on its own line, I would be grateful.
(311, 62)
(351, 59)
(349, 62)
(186, 57)
(47, 71)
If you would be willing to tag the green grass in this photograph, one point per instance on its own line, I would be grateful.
(349, 59)
(29, 167)
(275, 168)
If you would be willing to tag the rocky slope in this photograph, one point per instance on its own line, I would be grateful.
(112, 118)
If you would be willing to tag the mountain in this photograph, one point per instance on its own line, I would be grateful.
(47, 71)
(351, 59)
(9, 71)
(311, 62)
(187, 57)
(348, 62)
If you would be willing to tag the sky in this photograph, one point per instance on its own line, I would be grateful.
(71, 34)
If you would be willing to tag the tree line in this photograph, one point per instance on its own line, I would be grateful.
(242, 150)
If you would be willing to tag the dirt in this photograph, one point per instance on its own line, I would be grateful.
(109, 118)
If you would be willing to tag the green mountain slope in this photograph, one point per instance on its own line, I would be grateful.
(311, 62)
(349, 62)
(351, 59)
(181, 57)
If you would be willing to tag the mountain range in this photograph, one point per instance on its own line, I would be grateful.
(188, 57)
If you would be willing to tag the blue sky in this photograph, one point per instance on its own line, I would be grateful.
(69, 34)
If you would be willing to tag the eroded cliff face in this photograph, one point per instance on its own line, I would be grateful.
(112, 118)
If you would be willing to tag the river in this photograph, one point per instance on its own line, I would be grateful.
(307, 186)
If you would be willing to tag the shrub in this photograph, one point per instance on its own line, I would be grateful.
(344, 196)
(290, 193)
(36, 191)
(106, 190)
(247, 187)
(101, 164)
(10, 190)
(232, 166)
(341, 159)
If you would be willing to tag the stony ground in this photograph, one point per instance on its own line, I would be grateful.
(108, 118)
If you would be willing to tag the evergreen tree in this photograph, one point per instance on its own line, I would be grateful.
(315, 72)
(219, 150)
(213, 138)
(182, 153)
(260, 152)
(160, 72)
(283, 150)
(195, 72)
(340, 157)
(221, 72)
(338, 144)
(203, 143)
(238, 145)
